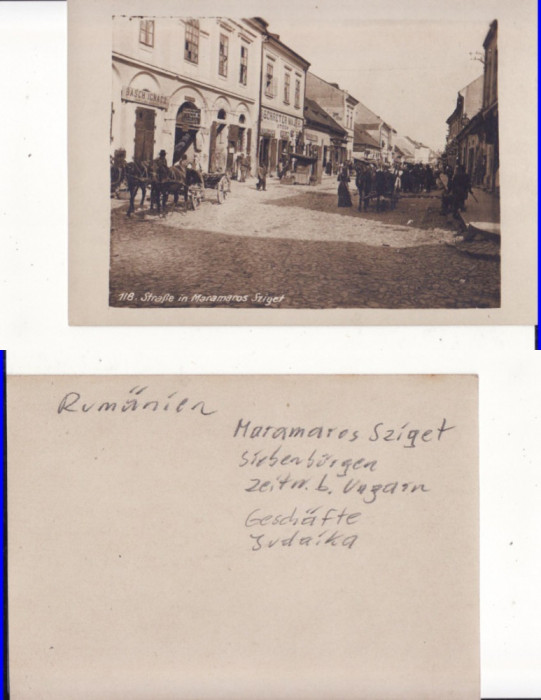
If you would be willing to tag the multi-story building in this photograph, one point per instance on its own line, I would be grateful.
(473, 138)
(490, 130)
(462, 140)
(341, 107)
(365, 146)
(404, 149)
(281, 118)
(187, 86)
(323, 136)
(366, 120)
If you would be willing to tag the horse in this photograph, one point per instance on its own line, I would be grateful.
(117, 175)
(137, 178)
(166, 181)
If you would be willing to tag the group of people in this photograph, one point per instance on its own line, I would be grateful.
(416, 178)
(384, 182)
(372, 183)
(456, 188)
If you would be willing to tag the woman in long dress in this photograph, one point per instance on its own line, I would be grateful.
(344, 198)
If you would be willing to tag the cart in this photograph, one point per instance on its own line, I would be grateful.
(199, 183)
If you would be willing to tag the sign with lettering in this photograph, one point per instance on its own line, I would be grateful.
(310, 137)
(286, 120)
(145, 97)
(190, 116)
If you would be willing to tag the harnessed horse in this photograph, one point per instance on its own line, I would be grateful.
(166, 181)
(137, 178)
(117, 175)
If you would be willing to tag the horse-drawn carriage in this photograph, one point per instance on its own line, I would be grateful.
(163, 181)
(198, 183)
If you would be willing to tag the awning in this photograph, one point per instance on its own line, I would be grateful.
(304, 159)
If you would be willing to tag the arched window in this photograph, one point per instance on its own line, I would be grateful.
(221, 114)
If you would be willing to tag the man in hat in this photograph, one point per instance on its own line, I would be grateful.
(162, 160)
(161, 168)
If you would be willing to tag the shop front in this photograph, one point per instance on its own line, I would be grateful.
(278, 137)
(187, 126)
(230, 142)
(147, 107)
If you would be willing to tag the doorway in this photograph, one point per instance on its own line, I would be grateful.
(144, 134)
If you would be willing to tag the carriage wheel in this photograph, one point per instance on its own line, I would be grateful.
(222, 190)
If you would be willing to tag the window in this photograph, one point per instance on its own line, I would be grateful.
(243, 75)
(269, 81)
(222, 59)
(191, 43)
(287, 87)
(297, 93)
(146, 32)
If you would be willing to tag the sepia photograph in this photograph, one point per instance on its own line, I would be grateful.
(269, 165)
(273, 166)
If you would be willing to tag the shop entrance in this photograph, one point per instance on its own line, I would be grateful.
(264, 148)
(144, 134)
(187, 125)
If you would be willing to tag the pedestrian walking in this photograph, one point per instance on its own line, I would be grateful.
(344, 198)
(380, 184)
(460, 187)
(261, 177)
(359, 185)
(181, 169)
(241, 162)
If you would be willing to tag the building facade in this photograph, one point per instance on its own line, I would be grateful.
(323, 138)
(378, 130)
(340, 105)
(463, 143)
(365, 146)
(473, 136)
(489, 132)
(187, 86)
(282, 90)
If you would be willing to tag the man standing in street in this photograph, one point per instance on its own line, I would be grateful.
(261, 177)
(460, 187)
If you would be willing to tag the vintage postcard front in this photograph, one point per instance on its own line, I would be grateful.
(301, 167)
(243, 537)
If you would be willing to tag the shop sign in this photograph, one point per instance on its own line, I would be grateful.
(190, 116)
(310, 137)
(284, 120)
(284, 135)
(145, 97)
(268, 133)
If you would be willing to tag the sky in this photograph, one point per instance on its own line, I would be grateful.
(408, 73)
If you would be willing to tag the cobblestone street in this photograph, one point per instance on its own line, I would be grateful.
(294, 248)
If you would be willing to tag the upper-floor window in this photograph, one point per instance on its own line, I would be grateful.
(287, 87)
(243, 74)
(146, 32)
(269, 81)
(223, 52)
(297, 93)
(191, 42)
